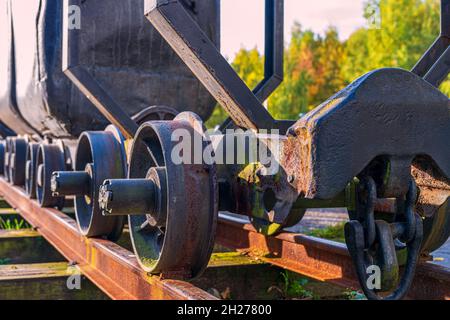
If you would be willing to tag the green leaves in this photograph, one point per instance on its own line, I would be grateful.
(316, 67)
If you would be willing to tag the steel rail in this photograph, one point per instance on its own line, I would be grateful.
(320, 259)
(116, 271)
(113, 269)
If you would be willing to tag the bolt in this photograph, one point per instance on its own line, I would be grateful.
(105, 198)
(292, 132)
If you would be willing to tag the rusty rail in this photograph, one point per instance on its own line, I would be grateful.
(113, 269)
(116, 271)
(320, 259)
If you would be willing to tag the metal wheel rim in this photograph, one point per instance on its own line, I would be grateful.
(156, 255)
(30, 178)
(99, 149)
(53, 160)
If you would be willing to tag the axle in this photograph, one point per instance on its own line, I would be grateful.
(128, 197)
(71, 183)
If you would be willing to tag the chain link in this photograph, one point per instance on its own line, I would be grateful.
(370, 240)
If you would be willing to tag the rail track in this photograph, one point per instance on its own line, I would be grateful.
(116, 271)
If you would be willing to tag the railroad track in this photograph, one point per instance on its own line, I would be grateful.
(116, 272)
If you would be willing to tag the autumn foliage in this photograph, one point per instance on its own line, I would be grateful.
(317, 66)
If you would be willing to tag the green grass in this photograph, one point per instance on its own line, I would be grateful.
(13, 224)
(334, 233)
(354, 295)
(296, 287)
(293, 287)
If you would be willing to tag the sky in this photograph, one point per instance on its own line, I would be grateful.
(243, 20)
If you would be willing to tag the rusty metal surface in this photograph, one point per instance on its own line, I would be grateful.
(116, 271)
(320, 259)
(433, 203)
(112, 268)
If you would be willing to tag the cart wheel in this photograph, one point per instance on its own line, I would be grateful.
(30, 175)
(172, 206)
(100, 155)
(50, 158)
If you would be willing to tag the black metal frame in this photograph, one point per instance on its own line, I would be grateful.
(273, 53)
(434, 66)
(274, 49)
(212, 69)
(80, 76)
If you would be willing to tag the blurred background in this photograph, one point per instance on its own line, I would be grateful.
(328, 44)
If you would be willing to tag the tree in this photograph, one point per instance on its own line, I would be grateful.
(291, 98)
(312, 73)
(408, 27)
(316, 67)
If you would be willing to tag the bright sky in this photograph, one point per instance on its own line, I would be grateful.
(242, 20)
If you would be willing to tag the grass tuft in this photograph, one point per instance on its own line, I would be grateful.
(333, 233)
(13, 224)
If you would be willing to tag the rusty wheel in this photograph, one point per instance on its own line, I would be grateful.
(100, 155)
(30, 176)
(50, 158)
(172, 207)
(2, 157)
(6, 158)
(18, 153)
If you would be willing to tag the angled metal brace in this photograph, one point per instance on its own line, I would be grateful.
(210, 67)
(439, 71)
(432, 66)
(79, 75)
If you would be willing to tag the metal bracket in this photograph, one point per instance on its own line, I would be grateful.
(434, 66)
(80, 76)
(211, 68)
